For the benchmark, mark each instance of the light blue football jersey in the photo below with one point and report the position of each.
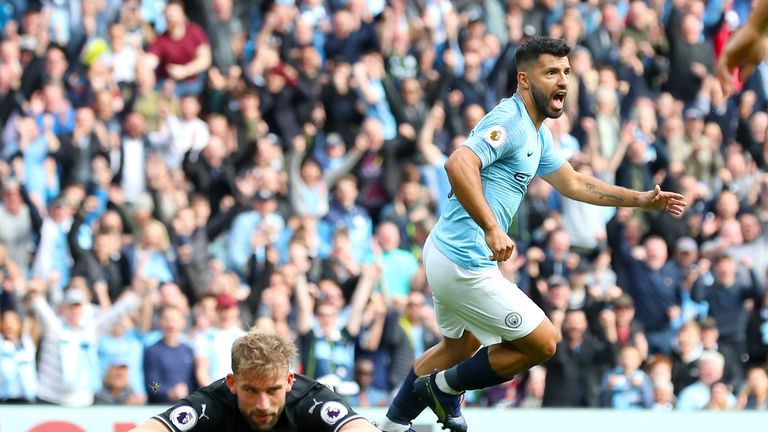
(512, 151)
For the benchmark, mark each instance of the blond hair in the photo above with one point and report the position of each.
(263, 352)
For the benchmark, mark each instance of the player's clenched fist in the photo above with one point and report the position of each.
(501, 245)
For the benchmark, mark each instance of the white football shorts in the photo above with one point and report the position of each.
(482, 302)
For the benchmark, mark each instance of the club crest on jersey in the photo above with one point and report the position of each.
(495, 136)
(332, 412)
(184, 417)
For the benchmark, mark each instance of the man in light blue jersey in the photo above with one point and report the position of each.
(476, 306)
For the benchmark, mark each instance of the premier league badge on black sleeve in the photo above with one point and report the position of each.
(332, 412)
(183, 418)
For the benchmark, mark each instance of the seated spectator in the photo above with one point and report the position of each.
(368, 396)
(663, 396)
(720, 397)
(697, 396)
(533, 390)
(18, 372)
(116, 389)
(124, 344)
(627, 386)
(754, 394)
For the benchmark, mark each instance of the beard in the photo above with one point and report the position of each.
(543, 103)
(259, 425)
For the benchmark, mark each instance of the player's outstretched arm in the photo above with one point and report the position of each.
(150, 425)
(585, 188)
(358, 425)
(745, 47)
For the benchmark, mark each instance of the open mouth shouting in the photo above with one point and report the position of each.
(558, 100)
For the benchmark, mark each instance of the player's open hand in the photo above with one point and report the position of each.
(501, 245)
(656, 199)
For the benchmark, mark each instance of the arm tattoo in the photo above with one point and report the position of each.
(591, 188)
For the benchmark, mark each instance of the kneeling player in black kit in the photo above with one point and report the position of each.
(261, 395)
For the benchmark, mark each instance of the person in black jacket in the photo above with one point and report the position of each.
(103, 262)
(574, 372)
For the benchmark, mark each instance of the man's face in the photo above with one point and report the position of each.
(261, 399)
(548, 80)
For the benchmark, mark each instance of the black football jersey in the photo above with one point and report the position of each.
(309, 406)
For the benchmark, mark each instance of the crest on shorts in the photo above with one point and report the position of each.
(183, 417)
(513, 320)
(496, 136)
(332, 412)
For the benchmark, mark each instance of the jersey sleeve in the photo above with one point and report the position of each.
(197, 413)
(551, 159)
(322, 410)
(491, 141)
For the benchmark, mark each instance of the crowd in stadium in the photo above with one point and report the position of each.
(174, 173)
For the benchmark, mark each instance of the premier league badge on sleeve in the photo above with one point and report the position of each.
(184, 417)
(496, 136)
(332, 412)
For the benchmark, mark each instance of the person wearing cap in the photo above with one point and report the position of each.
(212, 360)
(625, 328)
(556, 296)
(68, 361)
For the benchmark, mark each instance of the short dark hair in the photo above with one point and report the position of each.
(534, 47)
